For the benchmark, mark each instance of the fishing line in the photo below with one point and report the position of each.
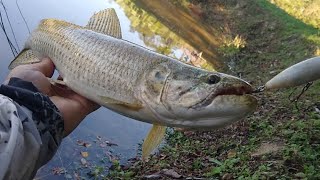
(14, 36)
(13, 49)
(304, 89)
(25, 22)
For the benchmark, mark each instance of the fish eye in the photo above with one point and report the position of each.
(213, 79)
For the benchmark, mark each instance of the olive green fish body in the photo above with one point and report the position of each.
(140, 83)
(134, 81)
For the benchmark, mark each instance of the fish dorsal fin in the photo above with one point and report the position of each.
(106, 22)
(153, 140)
(26, 56)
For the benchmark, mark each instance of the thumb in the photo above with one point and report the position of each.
(45, 66)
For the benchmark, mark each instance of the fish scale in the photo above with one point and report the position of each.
(92, 59)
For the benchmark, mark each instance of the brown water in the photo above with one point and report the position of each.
(138, 26)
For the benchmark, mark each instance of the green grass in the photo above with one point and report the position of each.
(307, 11)
(118, 173)
(293, 25)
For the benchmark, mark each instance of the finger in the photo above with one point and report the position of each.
(88, 106)
(45, 66)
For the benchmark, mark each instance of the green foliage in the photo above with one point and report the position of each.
(97, 171)
(306, 10)
(232, 46)
(222, 167)
(118, 173)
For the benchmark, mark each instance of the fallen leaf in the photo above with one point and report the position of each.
(76, 176)
(267, 148)
(82, 143)
(232, 153)
(103, 145)
(162, 156)
(188, 133)
(194, 178)
(58, 170)
(83, 161)
(111, 157)
(84, 154)
(227, 176)
(171, 173)
(152, 176)
(110, 143)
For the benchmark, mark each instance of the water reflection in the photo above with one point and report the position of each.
(139, 27)
(161, 38)
(188, 24)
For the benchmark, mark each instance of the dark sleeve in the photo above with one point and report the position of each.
(31, 129)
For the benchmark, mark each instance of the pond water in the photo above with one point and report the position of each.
(104, 135)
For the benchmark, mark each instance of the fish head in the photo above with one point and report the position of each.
(189, 97)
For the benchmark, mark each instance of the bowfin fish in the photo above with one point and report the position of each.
(140, 83)
(297, 74)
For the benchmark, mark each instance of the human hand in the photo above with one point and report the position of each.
(72, 106)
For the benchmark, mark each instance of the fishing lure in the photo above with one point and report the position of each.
(298, 74)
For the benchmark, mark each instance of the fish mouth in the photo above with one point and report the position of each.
(239, 91)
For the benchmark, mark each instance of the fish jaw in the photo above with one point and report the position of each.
(223, 110)
(219, 111)
(184, 98)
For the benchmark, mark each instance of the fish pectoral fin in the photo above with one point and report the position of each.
(105, 22)
(135, 106)
(26, 56)
(153, 140)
